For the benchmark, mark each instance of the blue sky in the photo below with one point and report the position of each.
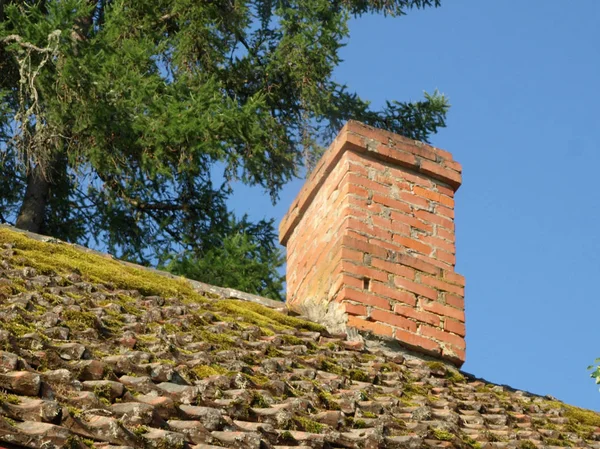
(522, 78)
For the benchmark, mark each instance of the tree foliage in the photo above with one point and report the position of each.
(595, 371)
(240, 260)
(115, 117)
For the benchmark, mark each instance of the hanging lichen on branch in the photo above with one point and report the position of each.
(36, 138)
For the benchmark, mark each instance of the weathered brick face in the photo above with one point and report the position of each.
(373, 228)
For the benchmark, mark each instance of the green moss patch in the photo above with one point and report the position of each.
(358, 375)
(474, 444)
(328, 400)
(203, 371)
(79, 320)
(454, 377)
(263, 316)
(582, 416)
(61, 258)
(442, 435)
(331, 367)
(8, 398)
(258, 400)
(527, 444)
(308, 425)
(18, 326)
(557, 442)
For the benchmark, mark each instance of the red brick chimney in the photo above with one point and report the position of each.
(373, 228)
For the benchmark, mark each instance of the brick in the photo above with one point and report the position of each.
(335, 286)
(414, 200)
(405, 298)
(318, 251)
(455, 301)
(388, 179)
(447, 201)
(357, 202)
(351, 254)
(376, 328)
(361, 271)
(417, 341)
(385, 245)
(417, 178)
(414, 262)
(442, 285)
(367, 161)
(354, 167)
(445, 234)
(419, 149)
(400, 229)
(394, 268)
(435, 242)
(443, 154)
(435, 219)
(381, 222)
(454, 326)
(413, 244)
(412, 221)
(444, 190)
(392, 203)
(393, 320)
(393, 293)
(382, 177)
(358, 212)
(356, 190)
(381, 233)
(410, 312)
(363, 298)
(368, 184)
(397, 156)
(375, 209)
(453, 353)
(453, 278)
(453, 165)
(360, 243)
(434, 196)
(334, 194)
(446, 257)
(431, 260)
(358, 226)
(344, 280)
(365, 131)
(426, 193)
(416, 288)
(440, 309)
(444, 211)
(447, 175)
(440, 335)
(323, 254)
(355, 309)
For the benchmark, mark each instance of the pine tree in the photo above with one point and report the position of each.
(115, 116)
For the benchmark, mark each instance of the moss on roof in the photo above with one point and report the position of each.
(96, 352)
(58, 258)
(55, 258)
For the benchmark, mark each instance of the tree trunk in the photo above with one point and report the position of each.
(33, 208)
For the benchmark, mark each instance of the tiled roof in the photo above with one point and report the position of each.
(96, 353)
